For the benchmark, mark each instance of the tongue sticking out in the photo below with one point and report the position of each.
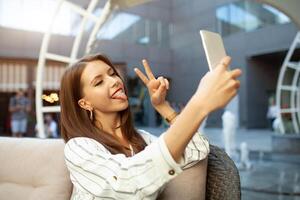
(120, 95)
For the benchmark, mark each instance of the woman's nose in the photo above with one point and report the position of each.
(114, 81)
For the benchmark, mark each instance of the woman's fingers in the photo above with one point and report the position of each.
(148, 70)
(159, 95)
(237, 84)
(162, 81)
(141, 76)
(149, 73)
(159, 84)
(224, 63)
(162, 85)
(167, 83)
(234, 84)
(236, 73)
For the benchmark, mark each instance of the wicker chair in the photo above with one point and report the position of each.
(223, 180)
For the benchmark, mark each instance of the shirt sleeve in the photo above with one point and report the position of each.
(94, 169)
(196, 150)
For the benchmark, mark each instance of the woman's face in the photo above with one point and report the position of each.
(102, 88)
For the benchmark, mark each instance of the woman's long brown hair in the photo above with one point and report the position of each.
(75, 121)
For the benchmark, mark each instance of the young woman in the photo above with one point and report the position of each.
(106, 156)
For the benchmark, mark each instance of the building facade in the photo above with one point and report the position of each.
(166, 33)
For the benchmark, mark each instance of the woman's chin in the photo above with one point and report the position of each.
(124, 105)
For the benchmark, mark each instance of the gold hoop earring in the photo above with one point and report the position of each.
(91, 115)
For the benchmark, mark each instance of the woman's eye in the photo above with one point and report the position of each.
(113, 74)
(98, 83)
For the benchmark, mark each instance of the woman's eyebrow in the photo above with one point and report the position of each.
(100, 75)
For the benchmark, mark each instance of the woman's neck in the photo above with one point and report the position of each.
(108, 122)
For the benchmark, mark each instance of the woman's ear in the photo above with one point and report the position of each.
(84, 104)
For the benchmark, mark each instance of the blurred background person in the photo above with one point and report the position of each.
(50, 126)
(19, 107)
(272, 113)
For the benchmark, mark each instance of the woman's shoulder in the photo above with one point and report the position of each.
(80, 140)
(148, 137)
(84, 143)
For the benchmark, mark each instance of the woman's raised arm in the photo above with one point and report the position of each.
(215, 90)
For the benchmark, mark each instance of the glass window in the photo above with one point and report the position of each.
(118, 26)
(247, 16)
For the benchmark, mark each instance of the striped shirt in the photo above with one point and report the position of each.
(98, 174)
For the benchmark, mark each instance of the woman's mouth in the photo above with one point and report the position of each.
(119, 94)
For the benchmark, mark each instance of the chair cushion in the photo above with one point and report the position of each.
(189, 185)
(33, 169)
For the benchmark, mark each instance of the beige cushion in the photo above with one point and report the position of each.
(33, 169)
(189, 185)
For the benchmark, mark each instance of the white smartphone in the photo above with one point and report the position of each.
(213, 47)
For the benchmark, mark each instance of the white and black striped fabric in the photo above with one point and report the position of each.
(98, 174)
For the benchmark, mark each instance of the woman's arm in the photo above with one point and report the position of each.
(196, 150)
(166, 111)
(184, 127)
(215, 90)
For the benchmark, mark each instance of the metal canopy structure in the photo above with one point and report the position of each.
(288, 7)
(290, 68)
(289, 91)
(45, 54)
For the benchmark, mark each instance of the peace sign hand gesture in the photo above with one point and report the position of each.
(157, 88)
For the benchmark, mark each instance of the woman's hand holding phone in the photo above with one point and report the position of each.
(218, 86)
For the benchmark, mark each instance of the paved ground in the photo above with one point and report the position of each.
(257, 139)
(272, 176)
